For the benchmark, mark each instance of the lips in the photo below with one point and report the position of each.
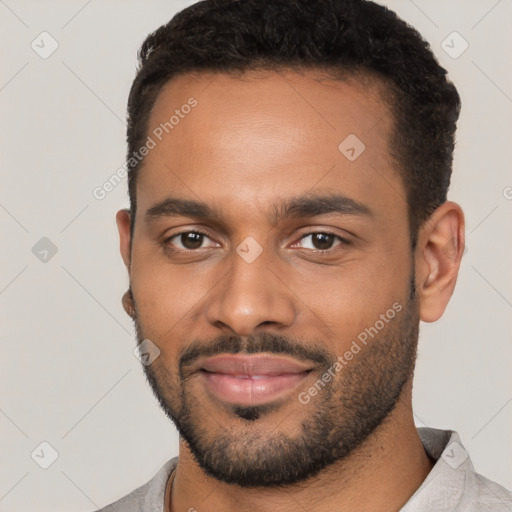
(251, 380)
(252, 365)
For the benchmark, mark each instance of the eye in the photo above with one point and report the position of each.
(187, 240)
(319, 241)
(322, 241)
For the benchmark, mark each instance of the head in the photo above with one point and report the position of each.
(291, 200)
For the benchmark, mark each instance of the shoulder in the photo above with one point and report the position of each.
(488, 495)
(147, 497)
(453, 484)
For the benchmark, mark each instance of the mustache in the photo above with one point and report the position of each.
(264, 342)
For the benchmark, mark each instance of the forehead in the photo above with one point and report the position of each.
(253, 137)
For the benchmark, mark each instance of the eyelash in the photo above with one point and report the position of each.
(343, 241)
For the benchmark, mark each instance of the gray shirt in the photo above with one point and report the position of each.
(451, 486)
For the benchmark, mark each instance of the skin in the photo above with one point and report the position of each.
(252, 142)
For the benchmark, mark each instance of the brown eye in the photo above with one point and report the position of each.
(320, 241)
(188, 241)
(191, 240)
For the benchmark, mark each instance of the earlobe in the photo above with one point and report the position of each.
(123, 220)
(128, 305)
(438, 258)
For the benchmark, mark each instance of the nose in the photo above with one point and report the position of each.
(251, 296)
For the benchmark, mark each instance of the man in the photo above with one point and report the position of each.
(288, 229)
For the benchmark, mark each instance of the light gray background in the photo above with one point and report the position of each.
(68, 374)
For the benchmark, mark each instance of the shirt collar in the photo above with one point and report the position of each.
(444, 488)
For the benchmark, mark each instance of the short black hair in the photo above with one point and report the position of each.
(344, 36)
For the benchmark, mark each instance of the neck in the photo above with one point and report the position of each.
(380, 475)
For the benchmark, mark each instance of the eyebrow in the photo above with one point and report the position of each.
(302, 206)
(312, 206)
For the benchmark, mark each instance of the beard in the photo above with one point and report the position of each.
(332, 425)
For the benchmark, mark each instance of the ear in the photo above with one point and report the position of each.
(123, 219)
(438, 256)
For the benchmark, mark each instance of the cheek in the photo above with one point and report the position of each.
(350, 298)
(167, 296)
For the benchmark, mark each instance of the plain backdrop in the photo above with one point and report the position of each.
(68, 374)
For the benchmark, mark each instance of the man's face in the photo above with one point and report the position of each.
(273, 273)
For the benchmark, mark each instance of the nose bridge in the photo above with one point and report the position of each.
(251, 294)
